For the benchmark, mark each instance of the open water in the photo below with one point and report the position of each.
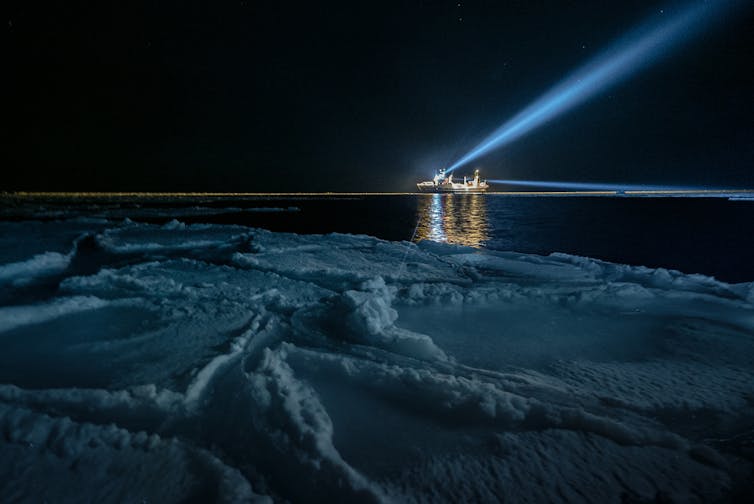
(711, 236)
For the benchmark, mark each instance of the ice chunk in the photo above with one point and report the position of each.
(48, 263)
(12, 317)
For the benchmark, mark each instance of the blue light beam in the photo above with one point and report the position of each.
(596, 186)
(626, 56)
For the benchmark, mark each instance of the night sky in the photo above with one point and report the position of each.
(372, 96)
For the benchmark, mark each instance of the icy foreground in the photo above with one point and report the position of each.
(222, 363)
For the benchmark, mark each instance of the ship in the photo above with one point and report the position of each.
(442, 183)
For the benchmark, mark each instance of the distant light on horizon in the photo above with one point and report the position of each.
(626, 56)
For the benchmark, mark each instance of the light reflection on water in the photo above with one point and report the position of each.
(453, 218)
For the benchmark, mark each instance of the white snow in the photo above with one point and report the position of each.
(48, 263)
(207, 362)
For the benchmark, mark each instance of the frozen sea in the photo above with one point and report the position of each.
(431, 348)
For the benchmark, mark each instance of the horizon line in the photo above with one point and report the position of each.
(157, 194)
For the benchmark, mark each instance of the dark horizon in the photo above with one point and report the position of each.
(504, 190)
(258, 98)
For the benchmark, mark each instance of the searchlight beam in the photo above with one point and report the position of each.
(625, 57)
(584, 186)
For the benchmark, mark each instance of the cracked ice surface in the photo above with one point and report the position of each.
(225, 363)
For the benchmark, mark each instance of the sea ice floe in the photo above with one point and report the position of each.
(174, 362)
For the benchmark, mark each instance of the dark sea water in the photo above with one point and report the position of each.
(712, 236)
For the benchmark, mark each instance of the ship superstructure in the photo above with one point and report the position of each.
(442, 182)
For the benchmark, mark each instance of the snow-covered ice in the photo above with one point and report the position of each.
(223, 363)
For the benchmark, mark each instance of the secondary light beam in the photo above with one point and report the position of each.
(584, 186)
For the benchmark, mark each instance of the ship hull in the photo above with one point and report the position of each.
(454, 190)
(449, 188)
